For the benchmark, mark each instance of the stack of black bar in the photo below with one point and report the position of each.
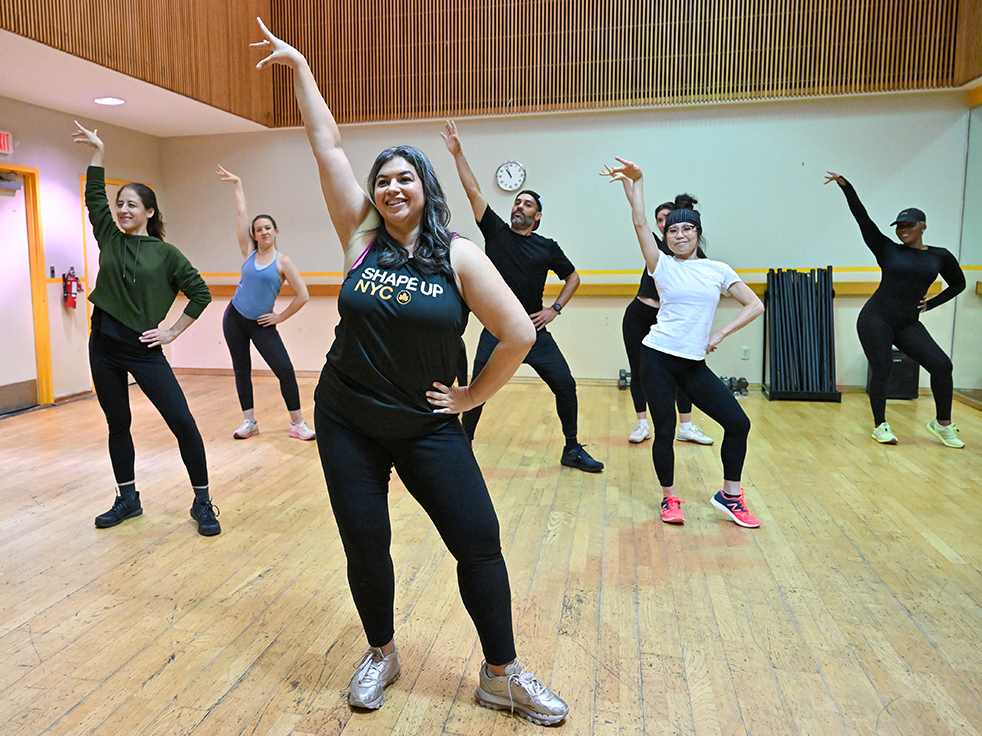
(799, 341)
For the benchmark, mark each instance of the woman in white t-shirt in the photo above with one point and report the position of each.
(674, 353)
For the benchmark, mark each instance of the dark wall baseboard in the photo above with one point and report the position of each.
(17, 396)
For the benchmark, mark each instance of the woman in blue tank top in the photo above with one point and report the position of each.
(386, 399)
(249, 317)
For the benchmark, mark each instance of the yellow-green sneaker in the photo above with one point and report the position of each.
(947, 433)
(884, 435)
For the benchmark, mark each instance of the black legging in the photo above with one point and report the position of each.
(440, 472)
(697, 381)
(878, 333)
(546, 360)
(239, 331)
(637, 322)
(110, 361)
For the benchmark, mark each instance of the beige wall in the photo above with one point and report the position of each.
(756, 168)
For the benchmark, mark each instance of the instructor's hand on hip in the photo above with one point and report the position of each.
(450, 399)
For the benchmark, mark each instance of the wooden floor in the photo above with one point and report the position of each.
(854, 609)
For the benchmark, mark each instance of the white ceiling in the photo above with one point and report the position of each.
(40, 75)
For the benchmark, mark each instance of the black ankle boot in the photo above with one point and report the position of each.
(205, 514)
(126, 507)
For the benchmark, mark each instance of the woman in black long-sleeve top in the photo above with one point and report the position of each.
(892, 315)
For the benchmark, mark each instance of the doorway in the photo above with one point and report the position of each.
(25, 371)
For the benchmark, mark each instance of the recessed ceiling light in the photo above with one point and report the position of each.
(109, 101)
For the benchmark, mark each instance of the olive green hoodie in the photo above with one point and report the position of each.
(139, 275)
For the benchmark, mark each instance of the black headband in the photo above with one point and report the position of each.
(678, 216)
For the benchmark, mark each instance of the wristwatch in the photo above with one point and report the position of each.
(558, 307)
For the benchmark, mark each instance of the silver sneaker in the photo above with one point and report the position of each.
(520, 693)
(693, 434)
(373, 674)
(641, 433)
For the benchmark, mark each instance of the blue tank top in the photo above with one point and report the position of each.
(399, 332)
(258, 288)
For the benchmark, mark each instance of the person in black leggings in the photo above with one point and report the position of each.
(524, 259)
(892, 315)
(674, 354)
(639, 316)
(249, 317)
(139, 277)
(386, 398)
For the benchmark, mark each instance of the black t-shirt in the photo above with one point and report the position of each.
(906, 273)
(523, 261)
(647, 287)
(400, 331)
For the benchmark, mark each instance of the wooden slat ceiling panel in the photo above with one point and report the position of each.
(412, 59)
(968, 62)
(416, 59)
(197, 49)
(427, 59)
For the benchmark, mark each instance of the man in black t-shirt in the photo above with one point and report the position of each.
(524, 259)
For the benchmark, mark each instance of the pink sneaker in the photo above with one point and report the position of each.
(247, 430)
(735, 508)
(301, 431)
(671, 510)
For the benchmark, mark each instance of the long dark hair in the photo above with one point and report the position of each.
(432, 251)
(155, 224)
(682, 202)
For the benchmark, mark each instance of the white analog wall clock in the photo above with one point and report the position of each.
(510, 176)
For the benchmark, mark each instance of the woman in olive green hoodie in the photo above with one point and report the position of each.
(139, 278)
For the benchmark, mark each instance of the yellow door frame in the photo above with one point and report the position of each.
(39, 289)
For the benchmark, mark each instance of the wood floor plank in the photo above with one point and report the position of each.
(856, 608)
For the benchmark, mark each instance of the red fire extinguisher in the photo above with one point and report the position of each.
(72, 286)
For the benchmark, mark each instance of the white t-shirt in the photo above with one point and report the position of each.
(689, 292)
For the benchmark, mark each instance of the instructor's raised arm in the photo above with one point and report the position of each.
(347, 202)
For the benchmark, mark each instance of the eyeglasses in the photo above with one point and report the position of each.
(680, 230)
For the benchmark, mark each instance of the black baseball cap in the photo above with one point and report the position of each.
(911, 214)
(533, 195)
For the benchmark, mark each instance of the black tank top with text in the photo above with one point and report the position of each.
(400, 331)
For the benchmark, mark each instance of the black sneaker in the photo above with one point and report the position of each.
(125, 507)
(577, 457)
(205, 514)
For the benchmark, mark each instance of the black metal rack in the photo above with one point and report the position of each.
(799, 336)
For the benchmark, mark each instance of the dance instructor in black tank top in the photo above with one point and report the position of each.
(892, 315)
(386, 398)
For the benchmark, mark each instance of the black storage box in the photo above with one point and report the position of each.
(903, 377)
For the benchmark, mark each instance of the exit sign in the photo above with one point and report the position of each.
(6, 143)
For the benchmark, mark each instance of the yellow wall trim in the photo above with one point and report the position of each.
(842, 289)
